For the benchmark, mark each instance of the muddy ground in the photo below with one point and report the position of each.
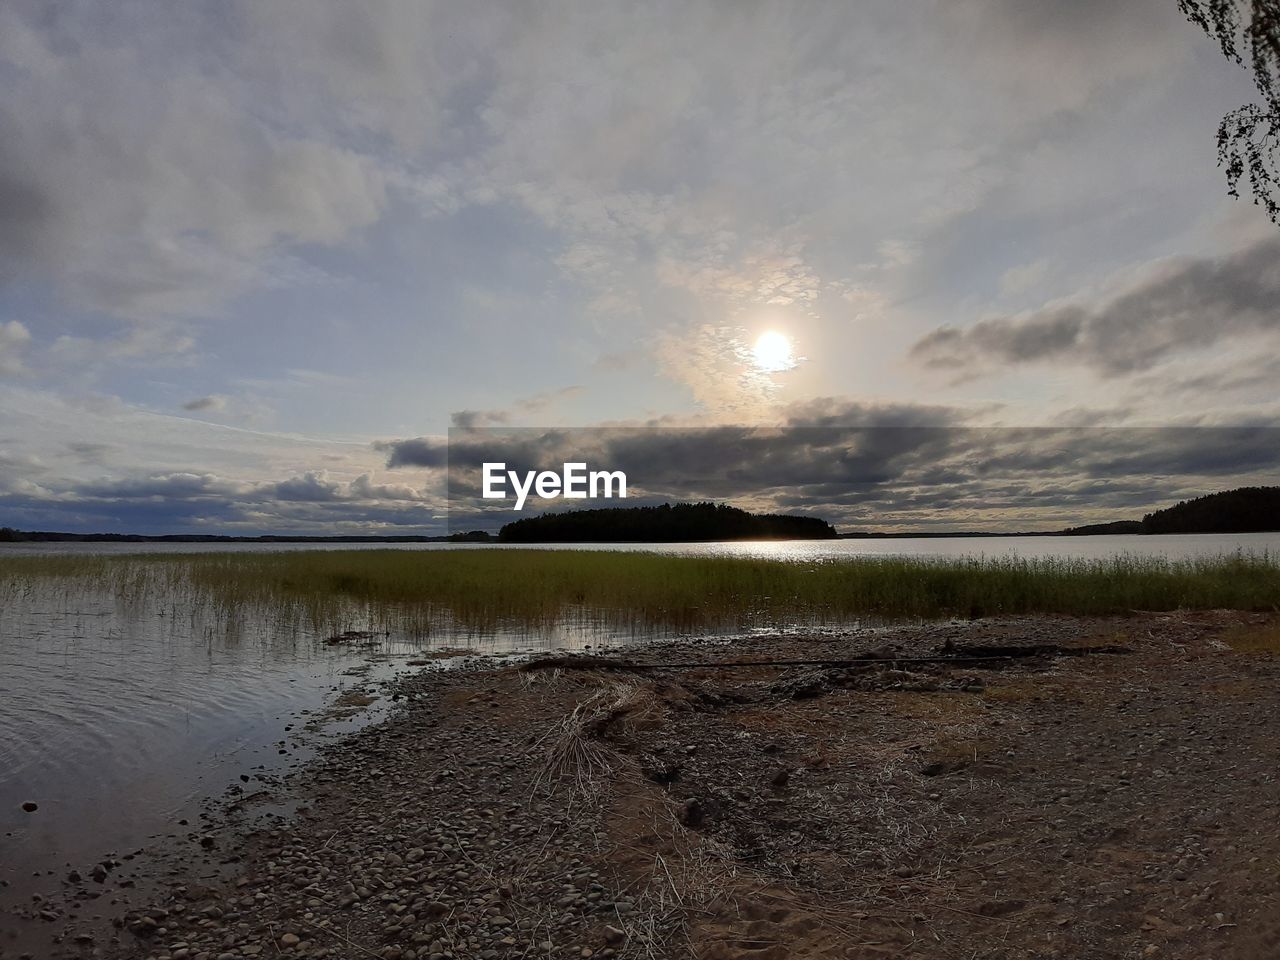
(941, 796)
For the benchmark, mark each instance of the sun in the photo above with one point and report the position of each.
(773, 352)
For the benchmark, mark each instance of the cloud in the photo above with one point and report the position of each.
(35, 510)
(473, 419)
(1056, 57)
(184, 501)
(135, 344)
(206, 403)
(856, 464)
(415, 452)
(714, 362)
(171, 486)
(96, 462)
(1245, 375)
(364, 487)
(540, 402)
(524, 408)
(246, 409)
(159, 163)
(17, 467)
(14, 338)
(1024, 277)
(671, 180)
(1175, 305)
(86, 451)
(883, 465)
(313, 486)
(143, 177)
(499, 195)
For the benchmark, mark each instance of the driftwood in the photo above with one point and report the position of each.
(969, 653)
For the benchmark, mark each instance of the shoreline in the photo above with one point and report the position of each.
(1052, 805)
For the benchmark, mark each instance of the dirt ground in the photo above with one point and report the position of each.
(1107, 805)
(1034, 787)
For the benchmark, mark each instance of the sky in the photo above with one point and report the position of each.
(256, 260)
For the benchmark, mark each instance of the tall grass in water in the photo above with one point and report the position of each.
(438, 591)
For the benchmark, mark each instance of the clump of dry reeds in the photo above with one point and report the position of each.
(575, 752)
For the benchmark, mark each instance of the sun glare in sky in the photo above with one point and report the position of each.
(773, 352)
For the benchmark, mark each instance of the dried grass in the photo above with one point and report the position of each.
(1254, 639)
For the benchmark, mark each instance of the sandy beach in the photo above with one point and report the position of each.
(1041, 786)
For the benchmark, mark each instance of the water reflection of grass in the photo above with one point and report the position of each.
(431, 592)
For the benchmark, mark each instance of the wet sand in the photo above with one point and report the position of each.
(924, 802)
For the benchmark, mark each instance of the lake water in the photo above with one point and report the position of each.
(119, 716)
(1173, 546)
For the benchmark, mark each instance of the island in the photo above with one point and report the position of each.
(667, 523)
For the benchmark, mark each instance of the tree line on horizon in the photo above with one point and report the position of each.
(1243, 510)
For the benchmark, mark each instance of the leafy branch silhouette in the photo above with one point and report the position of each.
(1248, 31)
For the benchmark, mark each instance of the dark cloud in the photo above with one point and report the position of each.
(90, 452)
(172, 486)
(1258, 373)
(885, 475)
(855, 475)
(524, 408)
(25, 211)
(416, 452)
(1180, 304)
(841, 412)
(310, 487)
(205, 403)
(213, 515)
(472, 419)
(829, 449)
(207, 503)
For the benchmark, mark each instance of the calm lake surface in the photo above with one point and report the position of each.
(120, 716)
(1172, 545)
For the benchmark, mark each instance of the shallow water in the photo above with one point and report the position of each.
(120, 717)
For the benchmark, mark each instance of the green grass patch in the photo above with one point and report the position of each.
(428, 591)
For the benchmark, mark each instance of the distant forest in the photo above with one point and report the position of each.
(1246, 510)
(683, 522)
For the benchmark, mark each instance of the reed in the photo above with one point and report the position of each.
(426, 592)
